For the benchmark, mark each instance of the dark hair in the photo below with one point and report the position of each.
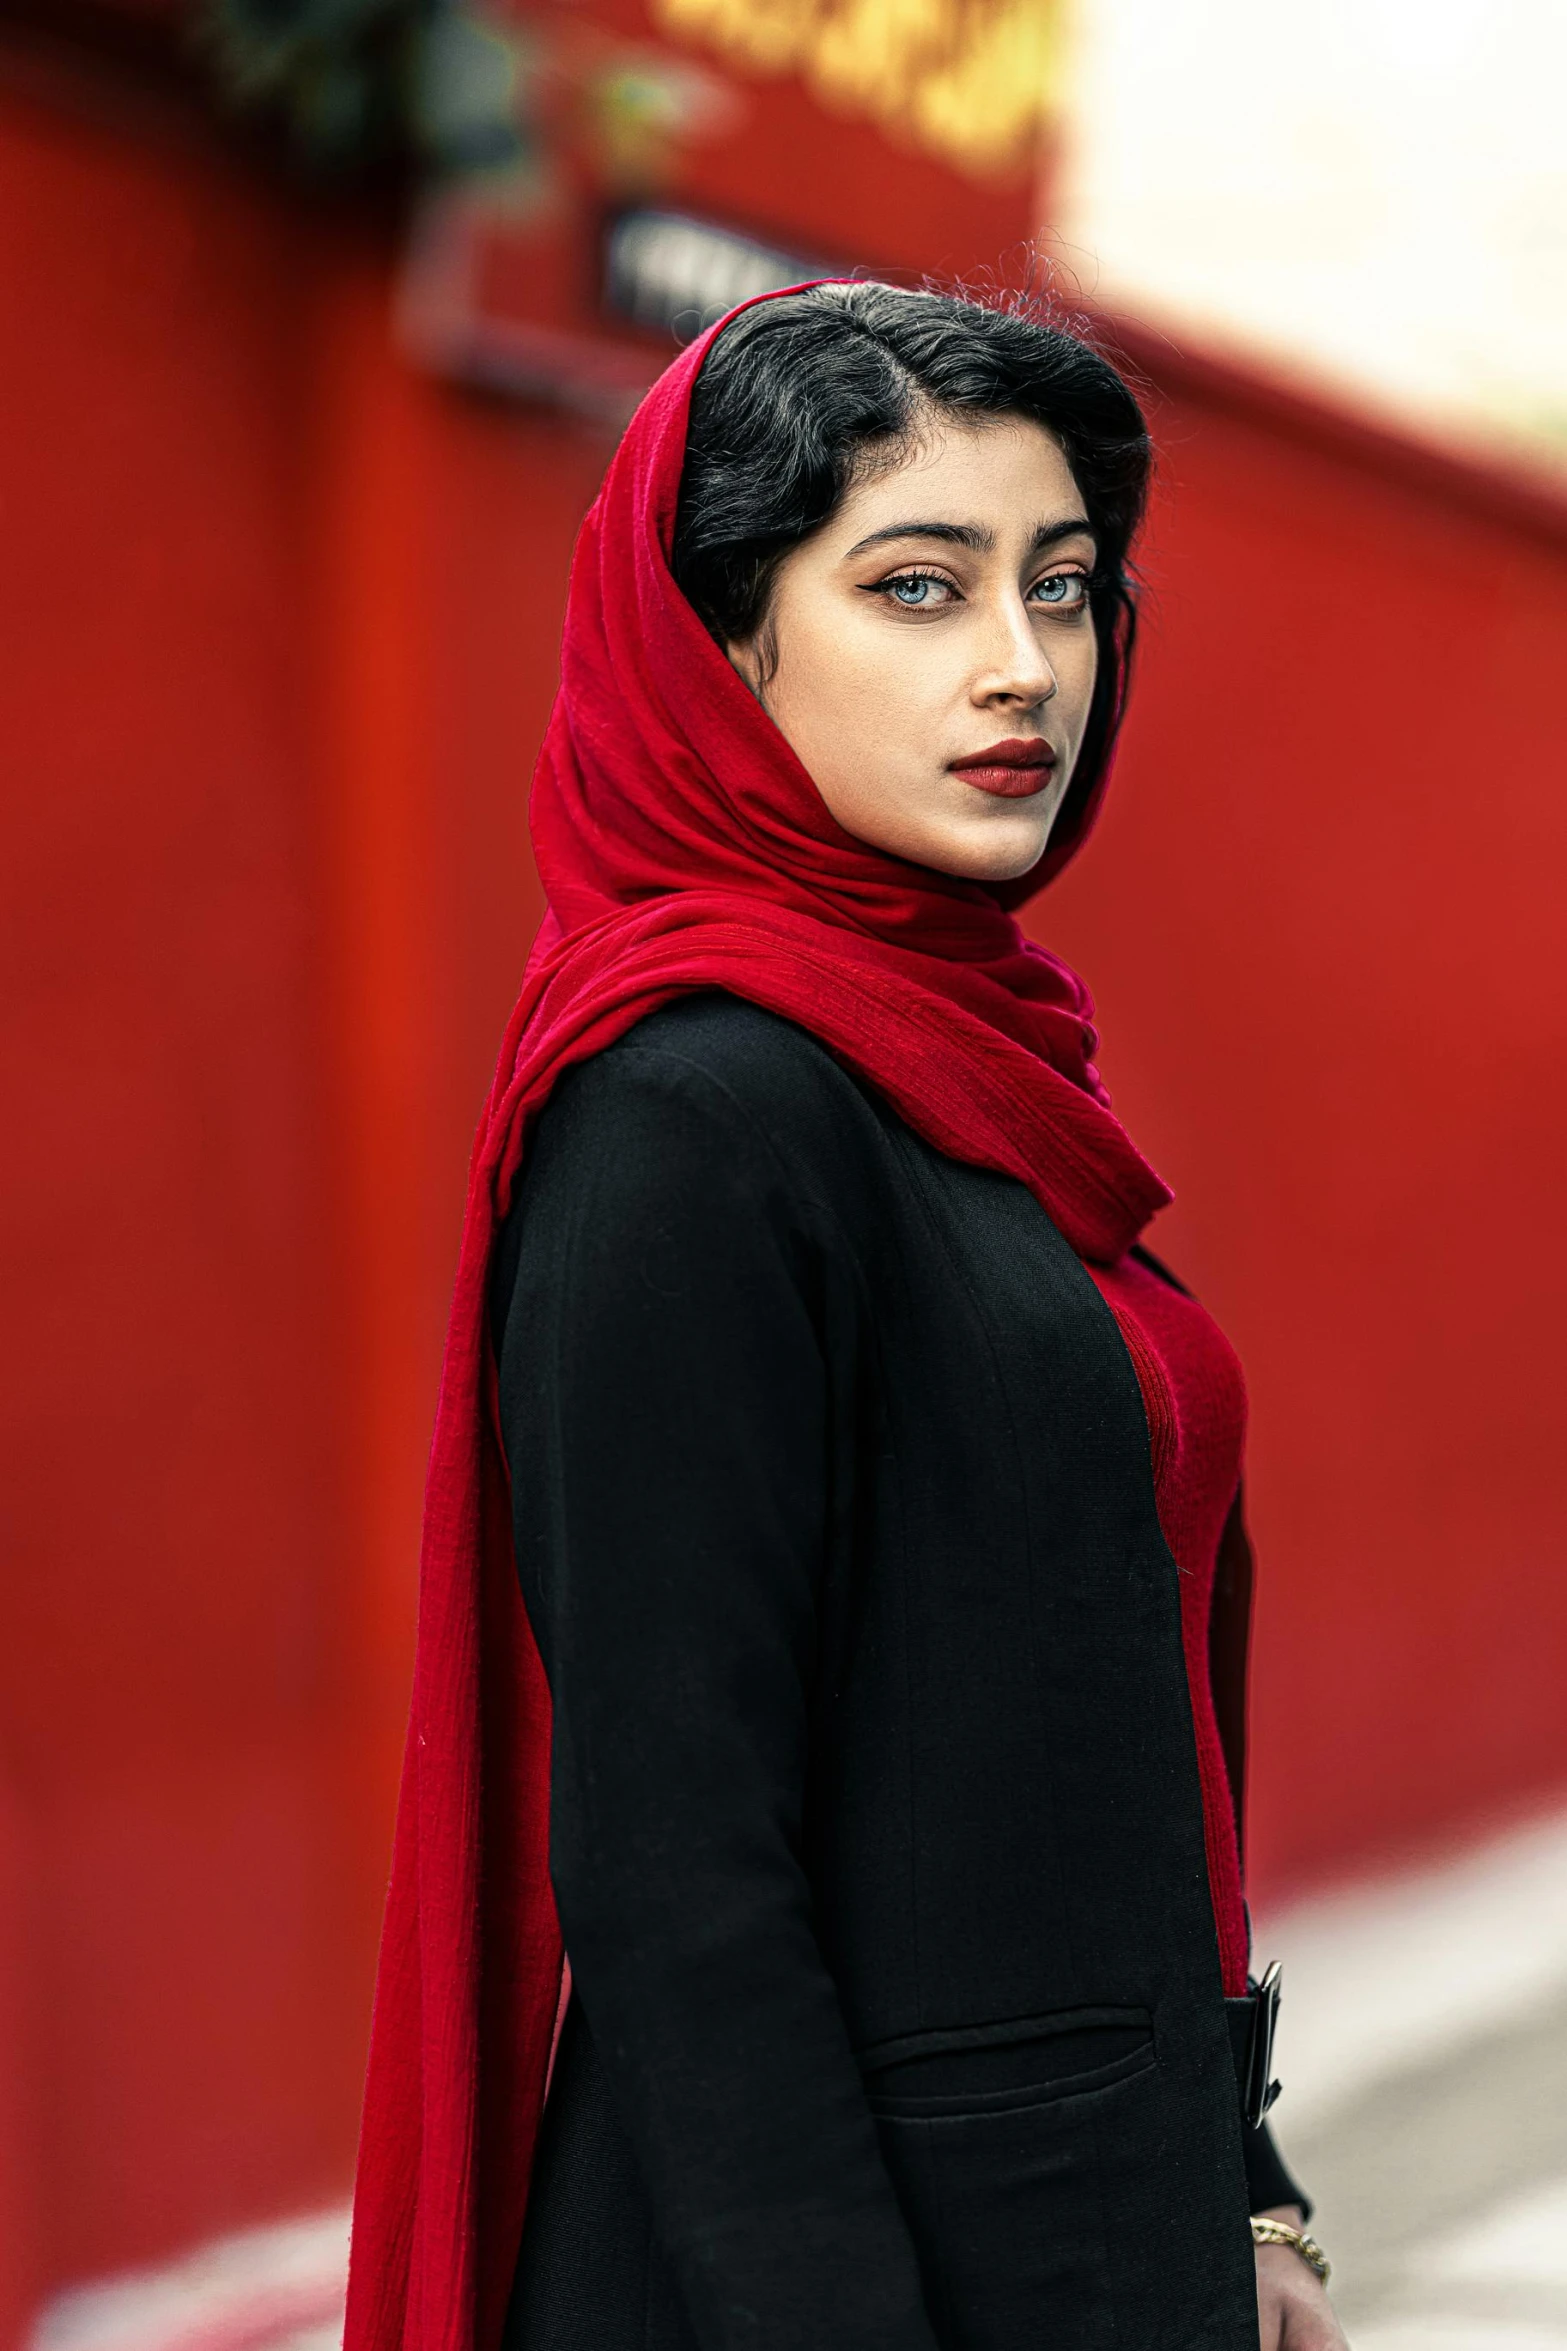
(799, 393)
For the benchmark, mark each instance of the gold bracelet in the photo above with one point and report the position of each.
(1278, 2232)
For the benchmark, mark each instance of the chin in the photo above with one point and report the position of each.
(987, 858)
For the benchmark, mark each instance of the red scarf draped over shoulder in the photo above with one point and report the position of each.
(682, 846)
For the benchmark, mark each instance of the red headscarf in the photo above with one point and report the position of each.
(682, 846)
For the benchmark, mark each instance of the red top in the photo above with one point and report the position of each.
(1194, 1394)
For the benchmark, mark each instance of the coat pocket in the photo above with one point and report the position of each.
(1013, 2148)
(998, 2068)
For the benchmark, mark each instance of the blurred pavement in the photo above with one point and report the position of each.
(1423, 2049)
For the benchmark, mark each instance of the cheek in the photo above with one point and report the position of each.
(852, 700)
(1077, 672)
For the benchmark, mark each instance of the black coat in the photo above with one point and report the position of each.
(876, 1829)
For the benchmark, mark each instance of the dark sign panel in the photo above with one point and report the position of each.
(667, 270)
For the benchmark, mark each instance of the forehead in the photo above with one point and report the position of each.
(994, 470)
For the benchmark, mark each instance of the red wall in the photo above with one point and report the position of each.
(1324, 920)
(172, 1513)
(278, 642)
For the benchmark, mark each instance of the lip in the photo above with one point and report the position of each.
(1012, 770)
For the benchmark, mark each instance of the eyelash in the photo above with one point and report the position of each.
(884, 588)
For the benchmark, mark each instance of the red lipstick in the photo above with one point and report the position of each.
(1012, 770)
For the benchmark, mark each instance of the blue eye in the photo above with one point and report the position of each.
(1061, 591)
(913, 588)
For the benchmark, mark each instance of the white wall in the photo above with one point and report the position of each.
(1373, 189)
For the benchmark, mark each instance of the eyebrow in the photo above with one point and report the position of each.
(973, 535)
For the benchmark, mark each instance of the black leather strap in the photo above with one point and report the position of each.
(1269, 2183)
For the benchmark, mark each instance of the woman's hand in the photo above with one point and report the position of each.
(1293, 2310)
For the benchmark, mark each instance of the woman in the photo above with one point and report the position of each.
(869, 1490)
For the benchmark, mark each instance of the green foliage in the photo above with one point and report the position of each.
(360, 84)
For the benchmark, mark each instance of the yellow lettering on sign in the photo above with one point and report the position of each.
(972, 81)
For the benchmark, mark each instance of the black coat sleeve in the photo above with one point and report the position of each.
(665, 1409)
(1269, 2182)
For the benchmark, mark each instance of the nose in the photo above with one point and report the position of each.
(1014, 670)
